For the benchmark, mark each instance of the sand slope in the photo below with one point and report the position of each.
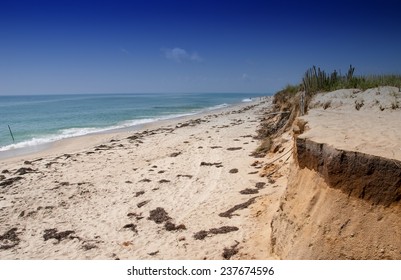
(344, 188)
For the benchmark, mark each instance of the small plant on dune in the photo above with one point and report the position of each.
(263, 148)
(326, 105)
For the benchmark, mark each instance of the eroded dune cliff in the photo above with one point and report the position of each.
(344, 187)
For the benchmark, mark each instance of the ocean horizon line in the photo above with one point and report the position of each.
(127, 93)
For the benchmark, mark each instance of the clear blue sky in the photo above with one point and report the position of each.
(56, 47)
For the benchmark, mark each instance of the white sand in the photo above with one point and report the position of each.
(95, 193)
(373, 129)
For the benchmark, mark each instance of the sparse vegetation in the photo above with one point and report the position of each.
(288, 106)
(263, 148)
(317, 80)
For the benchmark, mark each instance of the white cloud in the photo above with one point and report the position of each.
(245, 77)
(180, 55)
(125, 51)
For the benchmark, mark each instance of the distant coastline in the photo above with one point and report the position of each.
(145, 109)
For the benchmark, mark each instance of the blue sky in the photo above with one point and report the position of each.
(58, 47)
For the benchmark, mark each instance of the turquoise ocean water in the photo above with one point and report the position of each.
(41, 119)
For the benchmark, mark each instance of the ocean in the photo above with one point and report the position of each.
(42, 119)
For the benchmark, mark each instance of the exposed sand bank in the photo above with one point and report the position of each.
(344, 188)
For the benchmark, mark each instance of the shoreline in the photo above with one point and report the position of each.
(70, 144)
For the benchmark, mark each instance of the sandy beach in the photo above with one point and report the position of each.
(178, 189)
(327, 186)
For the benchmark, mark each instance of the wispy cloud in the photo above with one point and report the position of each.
(125, 51)
(180, 55)
(245, 77)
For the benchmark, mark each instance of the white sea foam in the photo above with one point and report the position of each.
(247, 100)
(71, 132)
(76, 132)
(220, 106)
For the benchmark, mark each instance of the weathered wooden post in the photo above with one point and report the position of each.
(11, 133)
(302, 103)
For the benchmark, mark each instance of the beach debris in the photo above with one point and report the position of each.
(158, 215)
(164, 181)
(139, 193)
(137, 216)
(10, 181)
(179, 125)
(9, 239)
(5, 171)
(253, 172)
(221, 230)
(67, 156)
(229, 252)
(229, 212)
(91, 244)
(145, 180)
(260, 185)
(217, 164)
(233, 171)
(63, 184)
(54, 234)
(134, 137)
(169, 226)
(249, 191)
(127, 243)
(187, 176)
(143, 203)
(24, 170)
(153, 253)
(175, 154)
(49, 164)
(115, 257)
(88, 246)
(234, 148)
(30, 162)
(216, 147)
(2, 177)
(200, 235)
(131, 227)
(102, 148)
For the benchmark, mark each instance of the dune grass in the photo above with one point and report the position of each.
(317, 80)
